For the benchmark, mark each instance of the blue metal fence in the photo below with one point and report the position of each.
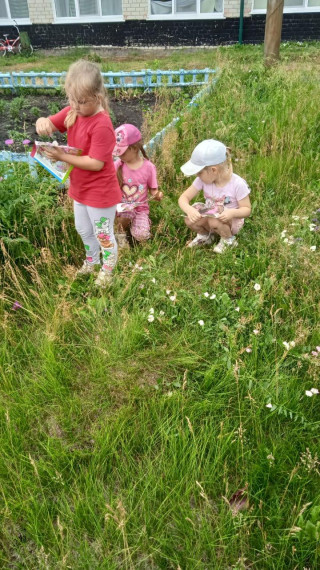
(145, 79)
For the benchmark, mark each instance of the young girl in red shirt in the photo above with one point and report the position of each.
(93, 181)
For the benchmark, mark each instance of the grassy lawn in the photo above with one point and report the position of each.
(124, 441)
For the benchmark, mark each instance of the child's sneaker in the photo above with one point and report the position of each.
(122, 241)
(104, 277)
(224, 243)
(200, 239)
(86, 268)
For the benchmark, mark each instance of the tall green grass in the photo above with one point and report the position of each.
(123, 441)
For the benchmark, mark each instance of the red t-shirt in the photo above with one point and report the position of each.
(95, 136)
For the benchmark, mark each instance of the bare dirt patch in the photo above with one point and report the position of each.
(18, 115)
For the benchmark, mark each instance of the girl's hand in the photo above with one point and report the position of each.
(44, 127)
(193, 214)
(156, 195)
(226, 216)
(53, 153)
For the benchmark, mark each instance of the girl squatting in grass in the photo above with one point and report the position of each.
(226, 196)
(137, 176)
(94, 185)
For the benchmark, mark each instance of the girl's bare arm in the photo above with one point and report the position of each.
(184, 203)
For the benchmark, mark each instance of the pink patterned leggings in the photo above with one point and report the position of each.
(140, 224)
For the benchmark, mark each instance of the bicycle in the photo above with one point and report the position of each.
(14, 46)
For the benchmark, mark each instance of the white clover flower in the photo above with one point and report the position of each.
(213, 296)
(237, 309)
(286, 345)
(168, 291)
(151, 318)
(269, 405)
(201, 323)
(313, 248)
(314, 390)
(206, 294)
(312, 227)
(255, 331)
(153, 280)
(151, 311)
(285, 240)
(173, 297)
(257, 287)
(283, 234)
(292, 343)
(248, 349)
(309, 393)
(161, 313)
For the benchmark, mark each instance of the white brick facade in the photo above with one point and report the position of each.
(42, 11)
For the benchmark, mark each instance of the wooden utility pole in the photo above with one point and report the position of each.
(272, 35)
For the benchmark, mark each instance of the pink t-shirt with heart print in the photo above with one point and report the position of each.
(136, 183)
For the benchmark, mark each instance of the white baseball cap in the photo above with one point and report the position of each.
(207, 153)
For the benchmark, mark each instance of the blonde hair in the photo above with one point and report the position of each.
(138, 146)
(84, 80)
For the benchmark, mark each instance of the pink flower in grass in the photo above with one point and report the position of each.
(26, 141)
(8, 142)
(16, 306)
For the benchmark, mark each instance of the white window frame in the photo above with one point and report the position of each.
(187, 15)
(8, 21)
(86, 19)
(287, 10)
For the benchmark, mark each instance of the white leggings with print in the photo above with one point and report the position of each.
(95, 227)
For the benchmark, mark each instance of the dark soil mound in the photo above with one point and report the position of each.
(18, 115)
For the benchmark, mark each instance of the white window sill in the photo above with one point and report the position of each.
(214, 16)
(20, 22)
(296, 10)
(88, 20)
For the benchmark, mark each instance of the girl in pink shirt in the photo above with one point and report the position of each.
(226, 195)
(137, 178)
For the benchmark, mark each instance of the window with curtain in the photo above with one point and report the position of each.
(83, 8)
(14, 9)
(262, 4)
(158, 7)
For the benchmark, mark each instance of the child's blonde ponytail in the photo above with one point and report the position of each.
(84, 80)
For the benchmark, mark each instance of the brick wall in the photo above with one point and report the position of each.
(135, 9)
(169, 33)
(41, 11)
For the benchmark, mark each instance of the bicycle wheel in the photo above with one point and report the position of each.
(3, 50)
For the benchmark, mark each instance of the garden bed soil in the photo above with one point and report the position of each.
(18, 115)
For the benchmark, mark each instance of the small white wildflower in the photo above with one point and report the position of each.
(151, 311)
(213, 296)
(309, 393)
(318, 348)
(255, 331)
(283, 234)
(257, 287)
(206, 294)
(153, 280)
(270, 459)
(313, 248)
(168, 291)
(141, 286)
(173, 297)
(314, 390)
(285, 240)
(237, 309)
(248, 349)
(161, 313)
(295, 217)
(151, 318)
(286, 345)
(292, 343)
(269, 405)
(312, 227)
(201, 323)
